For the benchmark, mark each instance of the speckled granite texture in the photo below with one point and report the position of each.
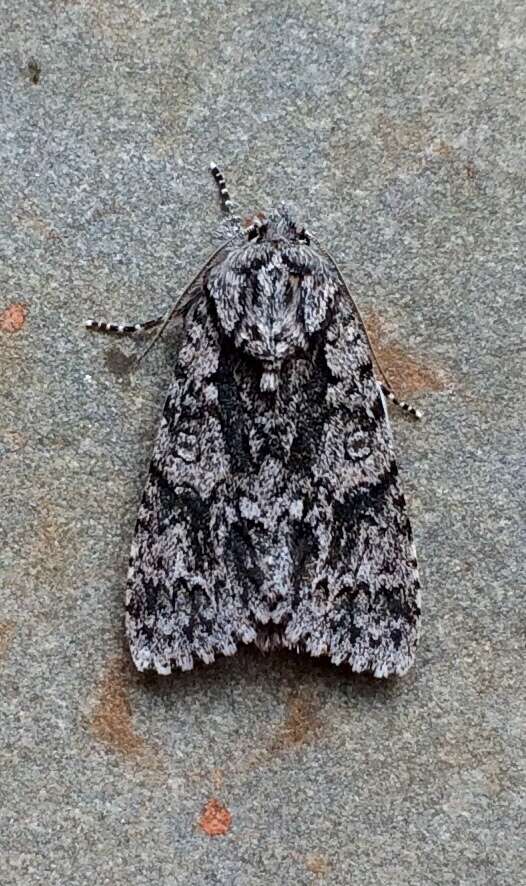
(396, 129)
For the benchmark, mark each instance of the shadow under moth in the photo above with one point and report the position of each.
(272, 512)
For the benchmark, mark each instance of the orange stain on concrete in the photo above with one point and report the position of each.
(111, 721)
(406, 374)
(301, 724)
(317, 865)
(13, 317)
(443, 150)
(215, 819)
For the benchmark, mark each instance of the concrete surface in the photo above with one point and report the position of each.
(396, 129)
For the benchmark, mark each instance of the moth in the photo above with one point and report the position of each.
(273, 511)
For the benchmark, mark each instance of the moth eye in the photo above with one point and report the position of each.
(303, 236)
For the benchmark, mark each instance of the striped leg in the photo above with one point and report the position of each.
(405, 406)
(226, 202)
(122, 328)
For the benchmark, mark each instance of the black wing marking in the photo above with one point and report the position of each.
(274, 517)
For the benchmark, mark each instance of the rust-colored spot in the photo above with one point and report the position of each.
(406, 374)
(443, 150)
(111, 721)
(13, 317)
(6, 630)
(301, 724)
(317, 865)
(215, 819)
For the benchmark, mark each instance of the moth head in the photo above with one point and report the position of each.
(277, 226)
(272, 291)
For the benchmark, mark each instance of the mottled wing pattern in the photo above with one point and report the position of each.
(181, 603)
(357, 595)
(274, 517)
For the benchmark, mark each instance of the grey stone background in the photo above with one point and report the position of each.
(396, 130)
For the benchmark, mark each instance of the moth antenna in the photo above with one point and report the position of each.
(389, 393)
(122, 328)
(226, 201)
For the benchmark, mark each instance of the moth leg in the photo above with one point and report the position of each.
(226, 202)
(122, 328)
(386, 390)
